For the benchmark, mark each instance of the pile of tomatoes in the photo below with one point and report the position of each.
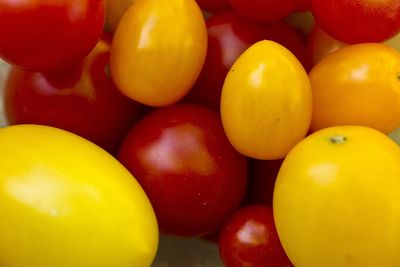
(229, 120)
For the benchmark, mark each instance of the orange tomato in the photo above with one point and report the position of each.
(357, 85)
(158, 50)
(266, 102)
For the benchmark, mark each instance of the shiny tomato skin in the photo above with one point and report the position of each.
(183, 160)
(263, 10)
(249, 238)
(44, 35)
(229, 35)
(358, 21)
(82, 100)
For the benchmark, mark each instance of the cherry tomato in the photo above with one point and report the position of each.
(357, 85)
(192, 175)
(229, 35)
(158, 50)
(264, 10)
(213, 5)
(266, 102)
(114, 12)
(337, 199)
(302, 5)
(45, 35)
(249, 239)
(67, 203)
(358, 21)
(83, 100)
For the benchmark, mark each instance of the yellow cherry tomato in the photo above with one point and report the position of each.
(337, 199)
(158, 50)
(64, 202)
(115, 9)
(357, 85)
(266, 102)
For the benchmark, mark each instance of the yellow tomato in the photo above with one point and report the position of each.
(337, 199)
(64, 202)
(115, 9)
(357, 85)
(266, 102)
(158, 50)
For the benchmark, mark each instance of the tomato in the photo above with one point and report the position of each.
(263, 10)
(249, 239)
(302, 5)
(229, 35)
(183, 160)
(213, 5)
(337, 199)
(266, 102)
(358, 21)
(158, 50)
(303, 21)
(67, 203)
(114, 12)
(358, 84)
(262, 179)
(83, 100)
(45, 35)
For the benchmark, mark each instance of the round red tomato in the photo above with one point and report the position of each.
(45, 35)
(358, 21)
(249, 238)
(264, 10)
(82, 100)
(191, 173)
(229, 35)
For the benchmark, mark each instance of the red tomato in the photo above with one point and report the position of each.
(358, 21)
(262, 178)
(213, 5)
(47, 35)
(302, 5)
(82, 100)
(183, 160)
(264, 10)
(229, 35)
(249, 239)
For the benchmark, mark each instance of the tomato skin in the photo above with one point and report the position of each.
(82, 100)
(147, 39)
(357, 85)
(262, 83)
(114, 12)
(229, 35)
(45, 35)
(358, 21)
(337, 199)
(263, 10)
(302, 5)
(183, 160)
(249, 238)
(67, 203)
(213, 5)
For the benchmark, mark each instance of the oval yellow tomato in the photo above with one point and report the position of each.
(158, 50)
(357, 85)
(337, 199)
(64, 202)
(115, 9)
(266, 102)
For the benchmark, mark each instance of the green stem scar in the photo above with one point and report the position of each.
(338, 139)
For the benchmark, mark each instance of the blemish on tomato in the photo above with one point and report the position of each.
(338, 139)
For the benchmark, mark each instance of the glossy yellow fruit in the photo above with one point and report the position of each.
(64, 202)
(337, 199)
(115, 9)
(357, 85)
(266, 102)
(158, 50)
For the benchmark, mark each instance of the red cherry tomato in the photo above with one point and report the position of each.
(302, 5)
(358, 21)
(190, 172)
(264, 10)
(229, 35)
(82, 100)
(249, 238)
(213, 5)
(45, 35)
(262, 179)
